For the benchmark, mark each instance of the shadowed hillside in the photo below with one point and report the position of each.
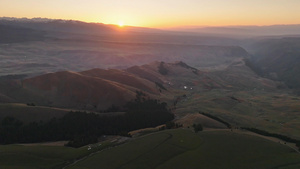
(70, 89)
(122, 77)
(279, 59)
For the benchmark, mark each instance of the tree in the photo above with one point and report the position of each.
(298, 145)
(197, 127)
(161, 69)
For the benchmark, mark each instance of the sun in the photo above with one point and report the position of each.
(121, 23)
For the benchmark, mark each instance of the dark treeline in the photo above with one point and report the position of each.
(160, 86)
(84, 128)
(197, 127)
(282, 137)
(162, 70)
(170, 125)
(216, 118)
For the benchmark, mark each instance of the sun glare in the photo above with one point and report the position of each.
(121, 23)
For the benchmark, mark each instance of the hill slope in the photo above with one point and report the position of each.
(233, 93)
(280, 59)
(121, 77)
(184, 149)
(70, 89)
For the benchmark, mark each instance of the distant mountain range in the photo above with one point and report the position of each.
(71, 26)
(245, 31)
(44, 24)
(96, 28)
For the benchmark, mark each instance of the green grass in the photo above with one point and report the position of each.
(182, 148)
(37, 156)
(273, 112)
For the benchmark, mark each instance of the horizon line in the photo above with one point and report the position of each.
(161, 27)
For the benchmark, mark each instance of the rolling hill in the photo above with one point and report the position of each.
(122, 77)
(232, 92)
(98, 89)
(70, 89)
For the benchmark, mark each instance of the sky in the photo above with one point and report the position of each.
(159, 13)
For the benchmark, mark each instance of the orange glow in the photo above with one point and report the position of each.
(160, 14)
(121, 23)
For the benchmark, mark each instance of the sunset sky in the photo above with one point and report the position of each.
(159, 13)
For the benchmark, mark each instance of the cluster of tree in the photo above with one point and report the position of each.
(216, 118)
(13, 77)
(197, 127)
(112, 108)
(161, 69)
(236, 99)
(30, 104)
(298, 144)
(282, 137)
(160, 86)
(182, 64)
(170, 125)
(83, 128)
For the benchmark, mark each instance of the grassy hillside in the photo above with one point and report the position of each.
(234, 93)
(74, 90)
(42, 156)
(184, 149)
(274, 112)
(122, 77)
(30, 113)
(170, 149)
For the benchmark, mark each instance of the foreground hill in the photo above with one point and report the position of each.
(169, 149)
(185, 149)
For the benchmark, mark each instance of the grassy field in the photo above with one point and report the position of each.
(181, 148)
(41, 156)
(273, 112)
(169, 149)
